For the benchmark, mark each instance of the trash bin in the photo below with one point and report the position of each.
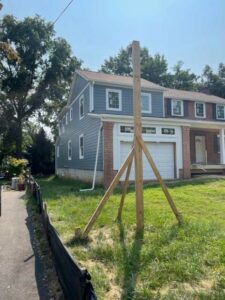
(15, 181)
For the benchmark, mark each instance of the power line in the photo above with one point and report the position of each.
(62, 12)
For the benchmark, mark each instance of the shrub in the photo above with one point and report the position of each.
(14, 166)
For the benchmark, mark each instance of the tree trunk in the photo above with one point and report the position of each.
(19, 138)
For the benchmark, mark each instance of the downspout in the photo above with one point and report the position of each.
(96, 162)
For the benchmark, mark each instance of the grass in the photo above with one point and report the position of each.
(166, 261)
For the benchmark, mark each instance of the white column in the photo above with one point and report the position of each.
(222, 150)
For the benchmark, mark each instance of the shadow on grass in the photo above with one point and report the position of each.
(131, 263)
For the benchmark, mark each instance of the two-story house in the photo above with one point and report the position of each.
(183, 130)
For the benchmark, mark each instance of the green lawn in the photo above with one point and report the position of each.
(168, 261)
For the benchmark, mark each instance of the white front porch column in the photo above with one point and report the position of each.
(222, 150)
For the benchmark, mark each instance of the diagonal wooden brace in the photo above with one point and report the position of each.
(125, 187)
(160, 180)
(107, 194)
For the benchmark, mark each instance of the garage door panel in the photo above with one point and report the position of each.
(162, 154)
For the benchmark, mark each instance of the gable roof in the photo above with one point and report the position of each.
(122, 80)
(193, 96)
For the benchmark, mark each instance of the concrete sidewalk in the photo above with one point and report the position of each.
(21, 275)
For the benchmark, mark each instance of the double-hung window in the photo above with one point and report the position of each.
(113, 99)
(146, 103)
(199, 110)
(71, 114)
(69, 150)
(220, 112)
(81, 146)
(57, 151)
(81, 107)
(177, 108)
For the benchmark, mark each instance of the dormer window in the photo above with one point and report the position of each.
(199, 110)
(220, 112)
(81, 107)
(177, 108)
(113, 99)
(146, 103)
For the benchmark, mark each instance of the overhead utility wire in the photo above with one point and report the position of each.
(62, 12)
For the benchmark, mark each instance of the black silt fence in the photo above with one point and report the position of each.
(75, 282)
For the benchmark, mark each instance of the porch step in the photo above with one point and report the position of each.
(207, 169)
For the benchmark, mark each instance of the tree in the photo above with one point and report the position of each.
(214, 83)
(40, 81)
(153, 68)
(182, 79)
(41, 154)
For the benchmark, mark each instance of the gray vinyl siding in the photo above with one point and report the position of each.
(89, 127)
(127, 102)
(78, 86)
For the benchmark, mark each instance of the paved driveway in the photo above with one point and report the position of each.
(21, 274)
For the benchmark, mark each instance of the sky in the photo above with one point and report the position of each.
(192, 30)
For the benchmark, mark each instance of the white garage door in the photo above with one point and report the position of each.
(162, 154)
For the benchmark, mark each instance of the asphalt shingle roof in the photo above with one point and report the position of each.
(117, 80)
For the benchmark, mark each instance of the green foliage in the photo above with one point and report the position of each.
(168, 261)
(153, 68)
(40, 81)
(14, 166)
(41, 154)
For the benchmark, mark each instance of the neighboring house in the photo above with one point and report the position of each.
(183, 130)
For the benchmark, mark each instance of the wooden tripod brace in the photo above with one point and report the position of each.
(136, 154)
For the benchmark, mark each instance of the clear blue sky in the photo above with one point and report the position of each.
(190, 30)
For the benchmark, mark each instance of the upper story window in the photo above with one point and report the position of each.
(199, 110)
(71, 114)
(57, 151)
(69, 150)
(220, 112)
(67, 118)
(177, 107)
(113, 99)
(146, 102)
(81, 146)
(63, 125)
(81, 107)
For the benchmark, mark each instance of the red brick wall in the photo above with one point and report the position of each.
(186, 152)
(213, 156)
(108, 152)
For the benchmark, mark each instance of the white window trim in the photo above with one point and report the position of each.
(217, 113)
(71, 113)
(149, 101)
(81, 98)
(107, 99)
(182, 108)
(204, 115)
(57, 152)
(81, 156)
(69, 143)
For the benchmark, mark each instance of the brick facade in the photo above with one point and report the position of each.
(186, 172)
(213, 156)
(108, 153)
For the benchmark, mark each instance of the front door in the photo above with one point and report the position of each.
(200, 149)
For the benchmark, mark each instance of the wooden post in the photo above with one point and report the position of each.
(160, 180)
(137, 134)
(107, 195)
(125, 186)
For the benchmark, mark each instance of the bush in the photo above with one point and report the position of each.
(14, 166)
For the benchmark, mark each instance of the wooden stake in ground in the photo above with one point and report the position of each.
(137, 135)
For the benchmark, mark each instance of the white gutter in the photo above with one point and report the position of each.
(156, 120)
(96, 163)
